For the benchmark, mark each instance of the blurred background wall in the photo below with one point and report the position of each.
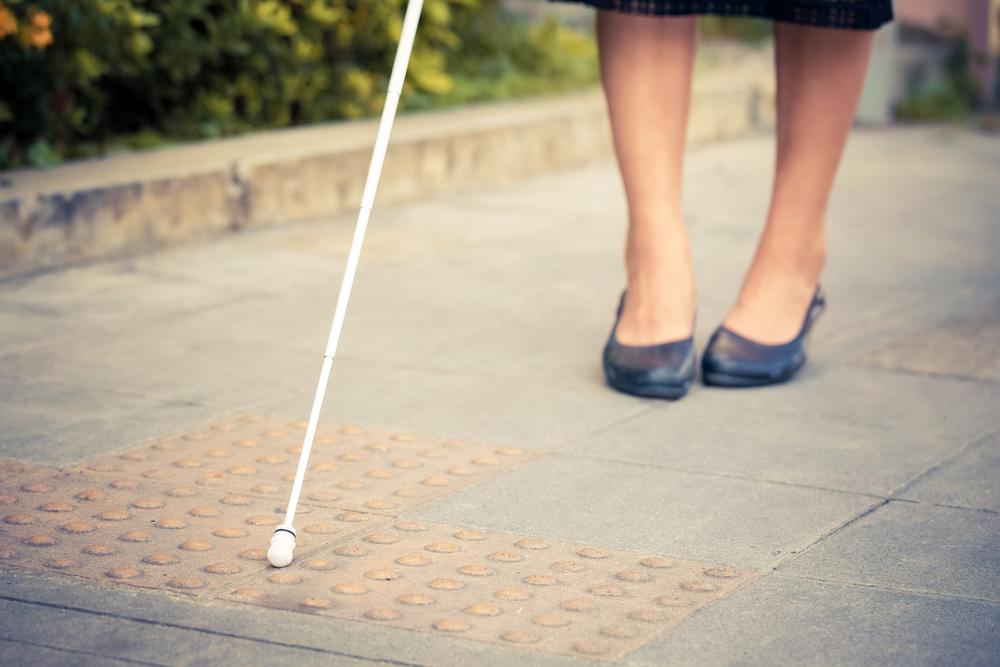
(939, 57)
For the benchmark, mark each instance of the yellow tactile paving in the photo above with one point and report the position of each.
(542, 595)
(350, 468)
(194, 514)
(182, 538)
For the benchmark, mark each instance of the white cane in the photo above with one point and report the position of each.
(283, 540)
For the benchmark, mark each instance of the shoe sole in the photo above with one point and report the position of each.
(726, 380)
(651, 392)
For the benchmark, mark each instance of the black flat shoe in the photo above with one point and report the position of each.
(730, 360)
(661, 371)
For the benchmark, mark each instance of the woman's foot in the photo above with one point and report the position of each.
(658, 308)
(773, 301)
(762, 340)
(731, 360)
(662, 370)
(650, 351)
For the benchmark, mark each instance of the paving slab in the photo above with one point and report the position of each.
(892, 248)
(160, 361)
(913, 547)
(911, 405)
(802, 449)
(116, 292)
(967, 347)
(683, 514)
(15, 652)
(326, 640)
(506, 411)
(913, 326)
(61, 423)
(787, 620)
(968, 480)
(911, 241)
(88, 636)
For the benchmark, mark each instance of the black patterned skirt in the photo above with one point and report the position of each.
(845, 14)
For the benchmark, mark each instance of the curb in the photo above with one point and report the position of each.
(129, 204)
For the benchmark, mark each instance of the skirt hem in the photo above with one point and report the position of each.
(843, 14)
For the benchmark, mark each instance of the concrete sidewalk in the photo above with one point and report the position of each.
(863, 493)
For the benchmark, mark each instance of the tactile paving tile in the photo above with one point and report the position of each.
(350, 468)
(537, 594)
(16, 473)
(188, 539)
(194, 514)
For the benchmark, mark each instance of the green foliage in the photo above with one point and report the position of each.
(941, 104)
(959, 95)
(139, 73)
(189, 69)
(747, 30)
(41, 154)
(504, 57)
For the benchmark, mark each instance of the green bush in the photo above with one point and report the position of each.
(742, 29)
(187, 69)
(957, 97)
(137, 73)
(504, 57)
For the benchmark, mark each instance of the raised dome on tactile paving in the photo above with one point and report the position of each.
(195, 511)
(536, 594)
(193, 514)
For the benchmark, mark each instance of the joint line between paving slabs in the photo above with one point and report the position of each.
(71, 651)
(726, 475)
(450, 372)
(951, 507)
(604, 429)
(188, 628)
(928, 375)
(109, 390)
(911, 501)
(743, 584)
(945, 460)
(811, 544)
(895, 589)
(209, 307)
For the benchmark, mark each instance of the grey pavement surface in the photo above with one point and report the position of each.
(865, 490)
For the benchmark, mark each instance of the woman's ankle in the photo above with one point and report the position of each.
(658, 309)
(772, 305)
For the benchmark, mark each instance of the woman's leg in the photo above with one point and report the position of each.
(646, 65)
(820, 74)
